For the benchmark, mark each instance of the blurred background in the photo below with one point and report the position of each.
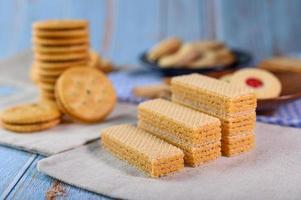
(263, 27)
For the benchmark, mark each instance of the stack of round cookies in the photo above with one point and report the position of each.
(57, 46)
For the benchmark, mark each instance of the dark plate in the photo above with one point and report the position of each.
(242, 58)
(291, 91)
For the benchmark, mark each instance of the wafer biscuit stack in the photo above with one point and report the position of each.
(142, 150)
(197, 134)
(57, 46)
(233, 105)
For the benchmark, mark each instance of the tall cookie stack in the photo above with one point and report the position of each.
(57, 46)
(233, 105)
(196, 133)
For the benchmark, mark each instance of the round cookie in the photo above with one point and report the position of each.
(60, 24)
(60, 42)
(61, 49)
(94, 59)
(43, 111)
(85, 94)
(27, 128)
(62, 56)
(61, 33)
(165, 47)
(60, 65)
(265, 84)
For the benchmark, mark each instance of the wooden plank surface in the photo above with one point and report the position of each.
(35, 185)
(13, 165)
(121, 30)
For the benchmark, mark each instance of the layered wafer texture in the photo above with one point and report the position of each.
(234, 105)
(143, 150)
(197, 134)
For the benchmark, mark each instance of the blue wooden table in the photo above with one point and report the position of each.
(121, 30)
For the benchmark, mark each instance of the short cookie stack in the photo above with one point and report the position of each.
(57, 46)
(233, 105)
(197, 134)
(31, 117)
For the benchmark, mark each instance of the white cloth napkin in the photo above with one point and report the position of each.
(271, 171)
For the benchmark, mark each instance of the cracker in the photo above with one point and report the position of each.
(60, 65)
(43, 111)
(60, 42)
(62, 56)
(142, 150)
(94, 59)
(27, 128)
(61, 49)
(60, 24)
(86, 94)
(61, 33)
(165, 47)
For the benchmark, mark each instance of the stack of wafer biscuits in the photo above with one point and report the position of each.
(233, 105)
(196, 133)
(142, 150)
(57, 46)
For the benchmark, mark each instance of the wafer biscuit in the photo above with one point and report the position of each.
(194, 154)
(240, 147)
(186, 124)
(204, 93)
(142, 150)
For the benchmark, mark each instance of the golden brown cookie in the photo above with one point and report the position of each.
(61, 56)
(165, 47)
(85, 94)
(61, 33)
(60, 65)
(265, 84)
(60, 24)
(282, 64)
(208, 45)
(27, 128)
(61, 49)
(60, 42)
(106, 66)
(94, 59)
(43, 111)
(186, 54)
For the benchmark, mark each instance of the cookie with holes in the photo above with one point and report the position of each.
(85, 94)
(264, 83)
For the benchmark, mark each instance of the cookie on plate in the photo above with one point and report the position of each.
(165, 47)
(85, 94)
(264, 83)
